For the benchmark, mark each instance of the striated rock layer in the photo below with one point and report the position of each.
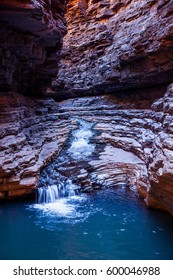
(160, 169)
(31, 34)
(115, 46)
(31, 134)
(132, 146)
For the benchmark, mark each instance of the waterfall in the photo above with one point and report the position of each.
(78, 149)
(81, 147)
(51, 193)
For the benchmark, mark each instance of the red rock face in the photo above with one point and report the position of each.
(114, 46)
(160, 194)
(28, 141)
(31, 35)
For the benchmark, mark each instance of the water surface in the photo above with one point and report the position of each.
(109, 224)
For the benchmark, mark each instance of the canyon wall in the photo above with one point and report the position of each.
(31, 134)
(118, 52)
(117, 46)
(160, 168)
(126, 48)
(31, 34)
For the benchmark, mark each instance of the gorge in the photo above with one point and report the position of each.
(87, 96)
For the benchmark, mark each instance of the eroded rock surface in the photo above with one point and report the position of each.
(31, 34)
(113, 46)
(161, 160)
(31, 135)
(131, 146)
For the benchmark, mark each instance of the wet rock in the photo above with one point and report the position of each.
(87, 189)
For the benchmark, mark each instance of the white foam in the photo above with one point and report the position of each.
(64, 207)
(59, 207)
(83, 133)
(79, 143)
(80, 147)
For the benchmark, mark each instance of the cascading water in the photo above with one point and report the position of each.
(53, 192)
(79, 149)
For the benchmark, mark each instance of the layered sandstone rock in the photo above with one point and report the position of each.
(160, 169)
(113, 46)
(136, 147)
(32, 133)
(31, 35)
(131, 146)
